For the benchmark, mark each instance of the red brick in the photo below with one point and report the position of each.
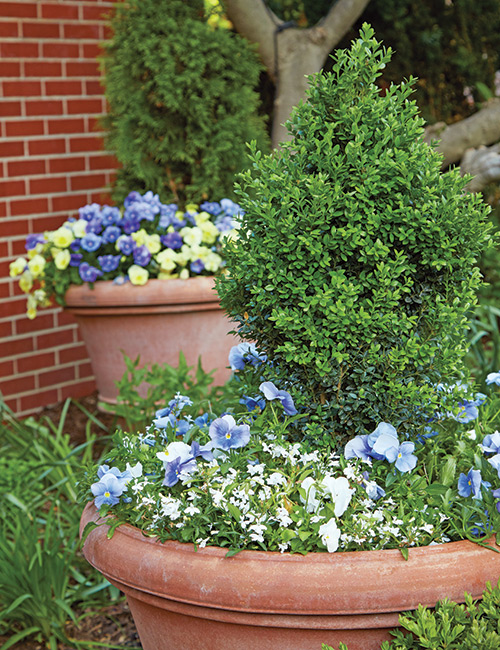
(106, 161)
(23, 128)
(3, 209)
(58, 376)
(72, 354)
(85, 106)
(16, 346)
(63, 87)
(87, 182)
(6, 329)
(25, 167)
(28, 206)
(59, 11)
(19, 50)
(44, 107)
(82, 69)
(51, 222)
(18, 247)
(85, 370)
(6, 368)
(21, 88)
(15, 227)
(48, 185)
(81, 31)
(60, 50)
(18, 10)
(69, 202)
(46, 146)
(9, 29)
(54, 339)
(101, 197)
(10, 68)
(43, 321)
(96, 13)
(15, 385)
(40, 30)
(61, 125)
(89, 143)
(93, 88)
(42, 69)
(36, 362)
(77, 390)
(12, 188)
(10, 149)
(63, 164)
(91, 50)
(30, 403)
(10, 108)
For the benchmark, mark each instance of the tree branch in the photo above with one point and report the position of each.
(257, 23)
(338, 21)
(483, 164)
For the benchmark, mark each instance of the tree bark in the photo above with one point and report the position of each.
(290, 53)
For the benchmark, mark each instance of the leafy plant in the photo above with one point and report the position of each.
(142, 389)
(483, 355)
(475, 625)
(181, 101)
(355, 267)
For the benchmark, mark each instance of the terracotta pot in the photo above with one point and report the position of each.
(182, 599)
(155, 322)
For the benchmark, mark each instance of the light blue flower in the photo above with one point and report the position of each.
(109, 263)
(212, 207)
(226, 434)
(90, 242)
(88, 273)
(491, 443)
(493, 378)
(178, 470)
(402, 456)
(244, 353)
(358, 447)
(253, 403)
(88, 212)
(470, 484)
(231, 208)
(111, 485)
(126, 245)
(205, 451)
(271, 392)
(383, 429)
(111, 234)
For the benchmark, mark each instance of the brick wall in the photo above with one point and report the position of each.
(52, 162)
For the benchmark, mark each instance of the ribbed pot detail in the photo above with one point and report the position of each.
(182, 599)
(155, 322)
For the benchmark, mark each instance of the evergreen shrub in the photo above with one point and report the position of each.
(356, 261)
(181, 101)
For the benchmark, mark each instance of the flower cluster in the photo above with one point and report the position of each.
(239, 481)
(146, 239)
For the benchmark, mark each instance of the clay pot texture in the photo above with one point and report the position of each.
(182, 599)
(154, 321)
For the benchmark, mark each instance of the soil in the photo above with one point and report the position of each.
(113, 626)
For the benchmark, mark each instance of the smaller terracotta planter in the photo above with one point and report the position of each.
(182, 599)
(155, 322)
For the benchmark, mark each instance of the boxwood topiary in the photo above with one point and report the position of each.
(355, 267)
(182, 101)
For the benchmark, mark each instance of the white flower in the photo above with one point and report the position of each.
(340, 492)
(330, 535)
(276, 478)
(136, 470)
(192, 510)
(170, 507)
(310, 501)
(175, 450)
(257, 534)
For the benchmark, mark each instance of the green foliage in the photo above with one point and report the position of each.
(355, 265)
(43, 577)
(483, 355)
(181, 101)
(475, 625)
(453, 46)
(142, 389)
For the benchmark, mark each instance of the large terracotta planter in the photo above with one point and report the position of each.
(155, 322)
(182, 599)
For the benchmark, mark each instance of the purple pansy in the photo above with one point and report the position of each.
(271, 393)
(88, 273)
(212, 207)
(226, 434)
(111, 234)
(109, 263)
(126, 245)
(197, 266)
(178, 470)
(172, 240)
(90, 242)
(75, 259)
(88, 212)
(142, 256)
(33, 240)
(244, 353)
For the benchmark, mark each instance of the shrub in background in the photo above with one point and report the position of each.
(181, 101)
(355, 265)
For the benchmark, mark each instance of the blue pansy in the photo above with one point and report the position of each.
(358, 447)
(178, 469)
(253, 403)
(142, 256)
(75, 259)
(226, 434)
(197, 266)
(110, 215)
(212, 207)
(271, 393)
(90, 242)
(109, 263)
(205, 451)
(172, 240)
(491, 443)
(94, 225)
(224, 223)
(88, 212)
(244, 353)
(88, 273)
(470, 484)
(111, 485)
(178, 402)
(230, 207)
(33, 240)
(111, 234)
(126, 245)
(75, 245)
(167, 215)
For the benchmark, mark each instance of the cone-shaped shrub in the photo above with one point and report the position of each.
(355, 268)
(182, 101)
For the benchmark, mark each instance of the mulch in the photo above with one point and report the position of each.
(110, 626)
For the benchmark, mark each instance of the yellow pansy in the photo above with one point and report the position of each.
(165, 275)
(167, 259)
(139, 237)
(153, 243)
(62, 237)
(17, 267)
(210, 232)
(184, 274)
(212, 262)
(79, 228)
(62, 259)
(26, 282)
(203, 217)
(36, 265)
(138, 275)
(192, 236)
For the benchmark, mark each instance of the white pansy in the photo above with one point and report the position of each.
(310, 501)
(175, 450)
(330, 535)
(340, 492)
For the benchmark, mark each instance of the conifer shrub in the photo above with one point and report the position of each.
(181, 101)
(355, 267)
